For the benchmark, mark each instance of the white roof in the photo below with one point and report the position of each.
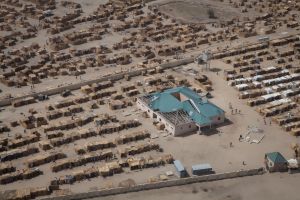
(268, 90)
(280, 101)
(275, 87)
(256, 83)
(279, 79)
(244, 85)
(295, 75)
(239, 79)
(255, 78)
(270, 68)
(281, 85)
(293, 163)
(286, 92)
(285, 70)
(269, 96)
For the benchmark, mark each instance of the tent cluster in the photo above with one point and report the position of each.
(115, 167)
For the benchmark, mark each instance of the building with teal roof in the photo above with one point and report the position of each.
(181, 110)
(275, 162)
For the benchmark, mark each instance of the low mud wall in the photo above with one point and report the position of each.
(158, 185)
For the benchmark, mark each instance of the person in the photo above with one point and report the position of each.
(230, 144)
(244, 163)
(240, 138)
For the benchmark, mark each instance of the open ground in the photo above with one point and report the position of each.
(254, 53)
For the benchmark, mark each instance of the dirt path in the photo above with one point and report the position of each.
(269, 186)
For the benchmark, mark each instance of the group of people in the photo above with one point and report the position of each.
(265, 122)
(234, 111)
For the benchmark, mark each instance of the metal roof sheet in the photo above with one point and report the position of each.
(199, 167)
(276, 157)
(179, 167)
(200, 110)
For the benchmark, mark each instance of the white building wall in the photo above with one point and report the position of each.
(218, 119)
(179, 129)
(171, 128)
(185, 128)
(141, 105)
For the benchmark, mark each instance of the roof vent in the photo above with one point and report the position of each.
(154, 98)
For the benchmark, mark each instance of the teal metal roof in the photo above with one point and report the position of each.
(165, 102)
(201, 111)
(276, 157)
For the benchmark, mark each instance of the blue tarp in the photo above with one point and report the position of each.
(202, 167)
(179, 167)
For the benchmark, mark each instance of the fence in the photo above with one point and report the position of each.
(158, 185)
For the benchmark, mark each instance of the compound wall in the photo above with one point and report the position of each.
(158, 185)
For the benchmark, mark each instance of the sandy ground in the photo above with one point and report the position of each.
(197, 11)
(192, 149)
(269, 186)
(187, 10)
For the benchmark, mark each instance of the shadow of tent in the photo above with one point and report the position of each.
(215, 69)
(187, 134)
(207, 131)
